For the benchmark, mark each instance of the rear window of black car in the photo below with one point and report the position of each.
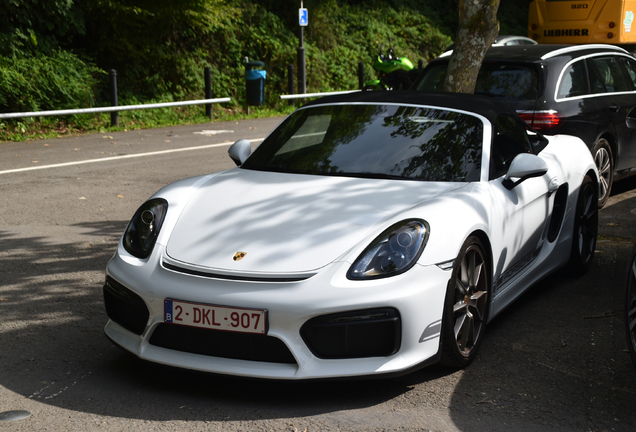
(375, 141)
(507, 80)
(574, 81)
(610, 74)
(630, 68)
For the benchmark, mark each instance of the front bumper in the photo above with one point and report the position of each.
(416, 296)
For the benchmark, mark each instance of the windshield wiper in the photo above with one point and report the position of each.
(373, 175)
(271, 169)
(369, 175)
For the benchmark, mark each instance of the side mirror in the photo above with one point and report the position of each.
(523, 167)
(631, 118)
(239, 151)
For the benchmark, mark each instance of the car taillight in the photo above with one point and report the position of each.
(542, 120)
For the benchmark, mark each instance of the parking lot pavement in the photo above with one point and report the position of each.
(555, 360)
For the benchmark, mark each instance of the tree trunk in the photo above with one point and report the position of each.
(478, 28)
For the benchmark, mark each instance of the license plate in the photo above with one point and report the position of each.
(215, 317)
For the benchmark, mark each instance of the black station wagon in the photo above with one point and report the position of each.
(581, 90)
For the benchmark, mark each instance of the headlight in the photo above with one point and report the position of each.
(393, 252)
(142, 231)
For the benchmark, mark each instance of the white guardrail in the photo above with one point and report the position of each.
(111, 108)
(148, 106)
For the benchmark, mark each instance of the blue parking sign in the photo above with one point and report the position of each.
(303, 17)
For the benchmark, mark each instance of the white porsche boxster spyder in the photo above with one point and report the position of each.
(372, 233)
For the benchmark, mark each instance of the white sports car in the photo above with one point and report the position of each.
(372, 233)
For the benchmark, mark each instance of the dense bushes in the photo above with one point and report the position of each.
(152, 63)
(37, 26)
(161, 47)
(45, 82)
(342, 36)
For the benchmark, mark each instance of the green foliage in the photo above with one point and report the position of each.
(513, 17)
(39, 82)
(342, 36)
(266, 39)
(157, 47)
(160, 48)
(31, 26)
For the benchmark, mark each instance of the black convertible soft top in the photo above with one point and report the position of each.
(482, 105)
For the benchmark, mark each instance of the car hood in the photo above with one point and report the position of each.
(286, 223)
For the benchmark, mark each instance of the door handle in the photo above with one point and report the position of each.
(614, 108)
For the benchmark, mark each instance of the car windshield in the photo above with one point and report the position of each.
(374, 141)
(514, 81)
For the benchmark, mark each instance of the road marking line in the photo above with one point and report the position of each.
(120, 157)
(213, 132)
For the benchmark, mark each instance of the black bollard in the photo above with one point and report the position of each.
(114, 115)
(290, 81)
(361, 75)
(208, 92)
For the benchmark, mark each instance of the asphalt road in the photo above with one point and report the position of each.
(554, 361)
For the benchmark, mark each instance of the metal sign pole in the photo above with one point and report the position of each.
(303, 20)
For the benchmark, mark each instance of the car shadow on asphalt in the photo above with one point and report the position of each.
(556, 356)
(54, 350)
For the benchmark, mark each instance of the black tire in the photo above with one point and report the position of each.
(604, 160)
(585, 227)
(630, 306)
(466, 306)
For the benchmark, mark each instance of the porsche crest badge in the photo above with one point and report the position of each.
(239, 256)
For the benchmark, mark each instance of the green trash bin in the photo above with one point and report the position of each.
(255, 83)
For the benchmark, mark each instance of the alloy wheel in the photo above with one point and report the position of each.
(586, 225)
(471, 300)
(603, 162)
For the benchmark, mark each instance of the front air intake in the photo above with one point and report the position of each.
(217, 343)
(125, 307)
(356, 334)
